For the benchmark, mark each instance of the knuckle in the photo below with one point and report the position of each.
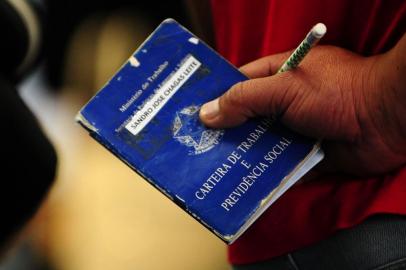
(236, 95)
(236, 101)
(291, 82)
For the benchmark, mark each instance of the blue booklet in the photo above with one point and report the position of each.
(148, 116)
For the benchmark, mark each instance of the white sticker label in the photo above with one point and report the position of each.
(143, 116)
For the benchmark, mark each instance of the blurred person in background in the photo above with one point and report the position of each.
(74, 47)
(33, 31)
(28, 158)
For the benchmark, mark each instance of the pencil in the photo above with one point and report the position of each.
(315, 34)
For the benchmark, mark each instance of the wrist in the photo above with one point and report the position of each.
(390, 89)
(393, 85)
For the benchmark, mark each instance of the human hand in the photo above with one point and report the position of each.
(357, 105)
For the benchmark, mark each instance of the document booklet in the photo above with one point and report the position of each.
(148, 116)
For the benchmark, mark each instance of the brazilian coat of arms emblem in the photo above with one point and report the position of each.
(190, 131)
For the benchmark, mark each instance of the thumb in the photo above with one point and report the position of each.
(257, 97)
(248, 98)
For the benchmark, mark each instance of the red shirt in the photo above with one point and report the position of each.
(246, 30)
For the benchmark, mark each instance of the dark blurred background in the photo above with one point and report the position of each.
(99, 214)
(64, 17)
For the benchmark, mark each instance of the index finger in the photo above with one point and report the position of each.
(265, 66)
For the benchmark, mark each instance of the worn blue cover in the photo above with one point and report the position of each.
(147, 115)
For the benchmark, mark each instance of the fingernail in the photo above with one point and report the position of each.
(210, 109)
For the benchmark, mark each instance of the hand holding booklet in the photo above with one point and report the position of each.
(148, 116)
